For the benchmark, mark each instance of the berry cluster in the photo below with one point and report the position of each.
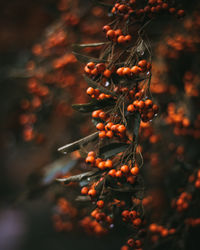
(116, 35)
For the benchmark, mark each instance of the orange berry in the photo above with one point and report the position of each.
(101, 165)
(155, 108)
(101, 67)
(108, 164)
(84, 191)
(136, 70)
(118, 32)
(97, 161)
(148, 103)
(137, 222)
(118, 174)
(128, 38)
(91, 65)
(106, 28)
(90, 159)
(130, 179)
(100, 126)
(102, 115)
(121, 39)
(100, 203)
(87, 70)
(92, 192)
(107, 73)
(95, 114)
(142, 63)
(122, 8)
(140, 104)
(135, 170)
(121, 128)
(130, 108)
(108, 125)
(102, 96)
(94, 72)
(109, 134)
(91, 153)
(126, 71)
(125, 169)
(90, 91)
(112, 172)
(120, 71)
(130, 242)
(110, 34)
(133, 214)
(102, 134)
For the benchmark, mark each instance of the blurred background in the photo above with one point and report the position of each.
(30, 136)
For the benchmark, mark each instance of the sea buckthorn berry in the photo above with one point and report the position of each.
(122, 8)
(95, 114)
(133, 214)
(152, 2)
(84, 191)
(91, 65)
(102, 96)
(128, 38)
(118, 32)
(107, 73)
(100, 203)
(125, 169)
(140, 104)
(130, 108)
(118, 174)
(130, 242)
(96, 92)
(108, 164)
(155, 108)
(109, 134)
(90, 159)
(102, 134)
(87, 70)
(97, 161)
(130, 179)
(92, 192)
(112, 172)
(121, 39)
(164, 232)
(120, 71)
(90, 91)
(135, 70)
(148, 103)
(101, 67)
(142, 63)
(180, 13)
(172, 10)
(94, 72)
(101, 165)
(137, 222)
(126, 71)
(197, 183)
(91, 153)
(106, 28)
(165, 6)
(125, 213)
(110, 34)
(138, 243)
(135, 104)
(135, 170)
(108, 125)
(100, 126)
(124, 247)
(102, 115)
(153, 227)
(121, 128)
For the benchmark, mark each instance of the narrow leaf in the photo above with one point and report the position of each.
(77, 144)
(112, 149)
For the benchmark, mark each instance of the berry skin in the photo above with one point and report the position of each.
(121, 128)
(125, 169)
(92, 192)
(142, 63)
(106, 28)
(108, 164)
(137, 222)
(90, 91)
(130, 108)
(136, 70)
(100, 203)
(84, 191)
(135, 170)
(102, 134)
(128, 38)
(121, 39)
(100, 126)
(112, 172)
(119, 174)
(107, 73)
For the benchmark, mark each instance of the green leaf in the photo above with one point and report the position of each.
(112, 149)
